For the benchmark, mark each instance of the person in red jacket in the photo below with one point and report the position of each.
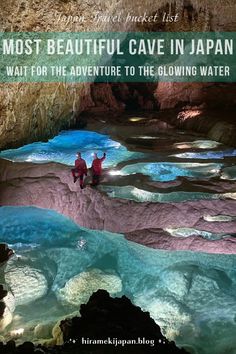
(97, 169)
(80, 170)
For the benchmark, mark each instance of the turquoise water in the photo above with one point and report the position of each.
(63, 149)
(140, 195)
(207, 155)
(192, 296)
(169, 171)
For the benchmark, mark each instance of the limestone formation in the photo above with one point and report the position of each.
(78, 289)
(26, 183)
(37, 111)
(102, 318)
(7, 303)
(26, 283)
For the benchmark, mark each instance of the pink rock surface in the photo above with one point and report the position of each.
(161, 240)
(51, 186)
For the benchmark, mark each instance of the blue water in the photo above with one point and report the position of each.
(63, 149)
(141, 195)
(208, 155)
(192, 296)
(169, 171)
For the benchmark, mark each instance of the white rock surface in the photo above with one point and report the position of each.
(78, 289)
(27, 284)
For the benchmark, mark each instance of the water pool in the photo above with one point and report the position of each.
(63, 149)
(192, 296)
(141, 195)
(170, 171)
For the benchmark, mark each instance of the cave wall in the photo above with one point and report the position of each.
(206, 108)
(31, 112)
(35, 111)
(179, 94)
(36, 15)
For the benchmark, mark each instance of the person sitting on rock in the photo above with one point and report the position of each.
(80, 170)
(97, 169)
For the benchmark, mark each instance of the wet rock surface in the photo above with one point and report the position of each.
(105, 318)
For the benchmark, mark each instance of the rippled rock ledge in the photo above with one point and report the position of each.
(102, 318)
(24, 184)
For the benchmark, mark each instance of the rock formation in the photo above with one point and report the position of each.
(5, 311)
(205, 108)
(79, 288)
(104, 318)
(25, 184)
(159, 239)
(3, 293)
(37, 111)
(5, 253)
